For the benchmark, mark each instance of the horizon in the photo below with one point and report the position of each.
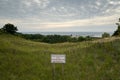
(63, 31)
(60, 15)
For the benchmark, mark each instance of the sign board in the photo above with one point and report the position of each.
(58, 58)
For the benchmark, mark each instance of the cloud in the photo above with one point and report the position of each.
(56, 14)
(37, 1)
(27, 3)
(98, 3)
(114, 2)
(40, 3)
(96, 21)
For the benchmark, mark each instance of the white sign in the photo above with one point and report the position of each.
(58, 58)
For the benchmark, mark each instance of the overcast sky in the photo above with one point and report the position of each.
(60, 15)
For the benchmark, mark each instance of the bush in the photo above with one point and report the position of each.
(117, 32)
(55, 38)
(81, 38)
(88, 38)
(104, 35)
(0, 31)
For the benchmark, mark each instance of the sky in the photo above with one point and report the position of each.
(60, 15)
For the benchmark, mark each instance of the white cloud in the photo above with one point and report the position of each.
(60, 12)
(114, 2)
(98, 3)
(53, 9)
(28, 4)
(39, 3)
(96, 21)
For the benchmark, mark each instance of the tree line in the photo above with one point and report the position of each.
(11, 29)
(54, 38)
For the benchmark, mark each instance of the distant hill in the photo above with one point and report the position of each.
(22, 59)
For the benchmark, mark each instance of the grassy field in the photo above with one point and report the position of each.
(21, 59)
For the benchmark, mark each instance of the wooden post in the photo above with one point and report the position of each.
(63, 70)
(53, 71)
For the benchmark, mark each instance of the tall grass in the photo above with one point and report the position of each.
(21, 59)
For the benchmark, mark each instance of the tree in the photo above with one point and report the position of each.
(9, 28)
(117, 32)
(104, 35)
(81, 38)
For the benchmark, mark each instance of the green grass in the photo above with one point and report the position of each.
(21, 59)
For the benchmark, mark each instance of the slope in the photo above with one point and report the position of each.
(21, 59)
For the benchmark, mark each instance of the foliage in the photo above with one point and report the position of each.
(117, 32)
(81, 38)
(35, 37)
(22, 59)
(1, 31)
(104, 35)
(73, 39)
(9, 28)
(88, 38)
(54, 38)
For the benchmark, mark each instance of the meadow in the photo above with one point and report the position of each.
(22, 59)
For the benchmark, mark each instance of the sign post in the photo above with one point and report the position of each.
(58, 58)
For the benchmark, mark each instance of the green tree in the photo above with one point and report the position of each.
(9, 28)
(117, 32)
(81, 38)
(104, 35)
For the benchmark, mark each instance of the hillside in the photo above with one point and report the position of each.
(21, 59)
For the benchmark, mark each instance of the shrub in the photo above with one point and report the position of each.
(104, 35)
(81, 38)
(117, 32)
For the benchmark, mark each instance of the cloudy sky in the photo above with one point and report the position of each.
(60, 15)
